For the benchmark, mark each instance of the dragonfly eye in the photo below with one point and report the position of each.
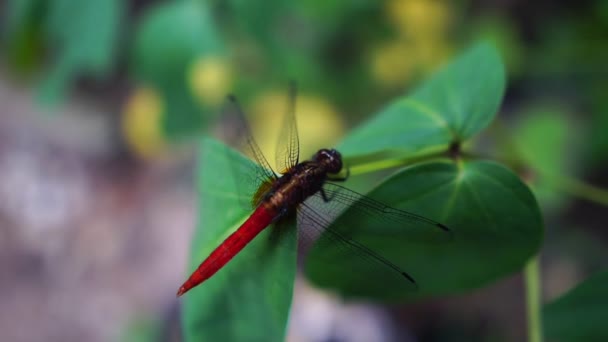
(331, 159)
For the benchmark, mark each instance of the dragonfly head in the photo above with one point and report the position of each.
(331, 159)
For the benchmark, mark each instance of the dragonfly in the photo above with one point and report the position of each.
(309, 191)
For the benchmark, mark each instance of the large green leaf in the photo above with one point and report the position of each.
(456, 103)
(249, 299)
(495, 221)
(85, 37)
(580, 314)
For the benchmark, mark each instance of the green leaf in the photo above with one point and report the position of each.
(259, 19)
(169, 38)
(580, 314)
(504, 34)
(453, 105)
(249, 299)
(495, 221)
(86, 36)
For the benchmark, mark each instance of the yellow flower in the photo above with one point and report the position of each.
(392, 64)
(209, 79)
(420, 19)
(141, 123)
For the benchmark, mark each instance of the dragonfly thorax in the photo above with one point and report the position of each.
(330, 159)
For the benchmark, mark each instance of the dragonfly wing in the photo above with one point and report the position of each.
(335, 226)
(243, 135)
(288, 146)
(237, 130)
(329, 249)
(365, 212)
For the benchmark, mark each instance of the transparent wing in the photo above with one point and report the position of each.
(365, 212)
(341, 226)
(243, 131)
(331, 245)
(237, 132)
(288, 146)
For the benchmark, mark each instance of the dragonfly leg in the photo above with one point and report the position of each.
(341, 179)
(324, 195)
(326, 198)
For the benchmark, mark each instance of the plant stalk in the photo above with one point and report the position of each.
(533, 300)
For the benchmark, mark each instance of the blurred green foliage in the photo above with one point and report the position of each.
(545, 144)
(22, 33)
(169, 38)
(82, 37)
(580, 314)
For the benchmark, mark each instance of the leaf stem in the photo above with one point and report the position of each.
(379, 165)
(533, 300)
(581, 189)
(375, 166)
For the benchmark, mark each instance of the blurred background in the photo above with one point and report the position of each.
(102, 104)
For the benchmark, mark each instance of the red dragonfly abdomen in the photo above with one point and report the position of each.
(261, 218)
